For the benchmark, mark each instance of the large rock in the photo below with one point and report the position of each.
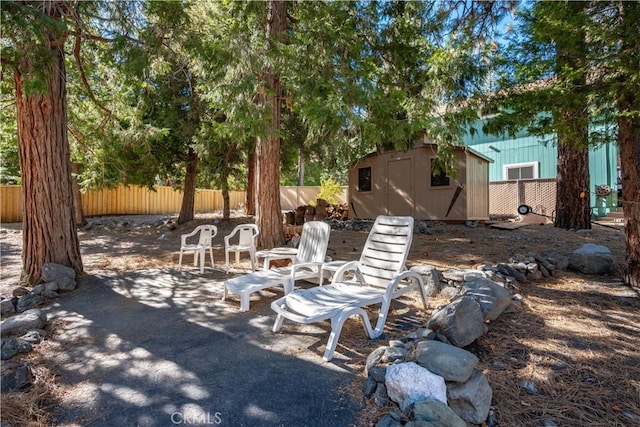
(450, 362)
(30, 301)
(374, 358)
(52, 272)
(408, 383)
(508, 270)
(430, 278)
(461, 321)
(493, 298)
(10, 346)
(8, 306)
(21, 323)
(15, 376)
(63, 284)
(434, 413)
(471, 400)
(592, 259)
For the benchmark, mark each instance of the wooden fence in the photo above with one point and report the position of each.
(504, 199)
(131, 200)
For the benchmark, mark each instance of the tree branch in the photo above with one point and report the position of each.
(83, 75)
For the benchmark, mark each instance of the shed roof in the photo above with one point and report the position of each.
(424, 142)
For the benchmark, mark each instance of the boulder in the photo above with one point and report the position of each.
(15, 376)
(11, 346)
(435, 414)
(408, 383)
(450, 362)
(471, 400)
(392, 419)
(461, 321)
(8, 306)
(52, 271)
(30, 301)
(64, 284)
(430, 278)
(22, 323)
(492, 297)
(592, 259)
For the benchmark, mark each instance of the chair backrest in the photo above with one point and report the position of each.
(386, 250)
(314, 240)
(247, 233)
(207, 233)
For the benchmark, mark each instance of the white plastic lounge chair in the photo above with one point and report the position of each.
(378, 277)
(205, 233)
(306, 264)
(245, 242)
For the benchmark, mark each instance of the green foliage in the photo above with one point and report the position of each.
(558, 61)
(330, 189)
(357, 77)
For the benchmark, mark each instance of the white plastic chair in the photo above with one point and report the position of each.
(245, 242)
(379, 277)
(205, 233)
(307, 264)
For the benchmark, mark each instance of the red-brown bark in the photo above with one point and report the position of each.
(269, 212)
(189, 190)
(49, 226)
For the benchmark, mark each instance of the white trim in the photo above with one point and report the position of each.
(506, 167)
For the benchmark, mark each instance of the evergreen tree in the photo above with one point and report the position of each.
(572, 65)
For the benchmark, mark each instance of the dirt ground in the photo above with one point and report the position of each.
(576, 337)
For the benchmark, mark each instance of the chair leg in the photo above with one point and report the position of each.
(382, 318)
(195, 258)
(244, 301)
(336, 327)
(201, 252)
(224, 293)
(211, 256)
(226, 261)
(278, 323)
(238, 258)
(180, 261)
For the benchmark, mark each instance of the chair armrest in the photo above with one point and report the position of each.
(227, 238)
(309, 265)
(339, 274)
(184, 237)
(393, 288)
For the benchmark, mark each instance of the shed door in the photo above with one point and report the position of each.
(400, 187)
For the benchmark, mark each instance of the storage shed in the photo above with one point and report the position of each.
(408, 183)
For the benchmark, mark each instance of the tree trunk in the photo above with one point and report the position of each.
(226, 210)
(77, 196)
(224, 179)
(49, 226)
(251, 183)
(572, 188)
(269, 212)
(573, 201)
(300, 169)
(629, 145)
(189, 193)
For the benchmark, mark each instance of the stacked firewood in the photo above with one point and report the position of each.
(338, 212)
(321, 211)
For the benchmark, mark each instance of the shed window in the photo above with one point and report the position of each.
(518, 171)
(364, 179)
(439, 177)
